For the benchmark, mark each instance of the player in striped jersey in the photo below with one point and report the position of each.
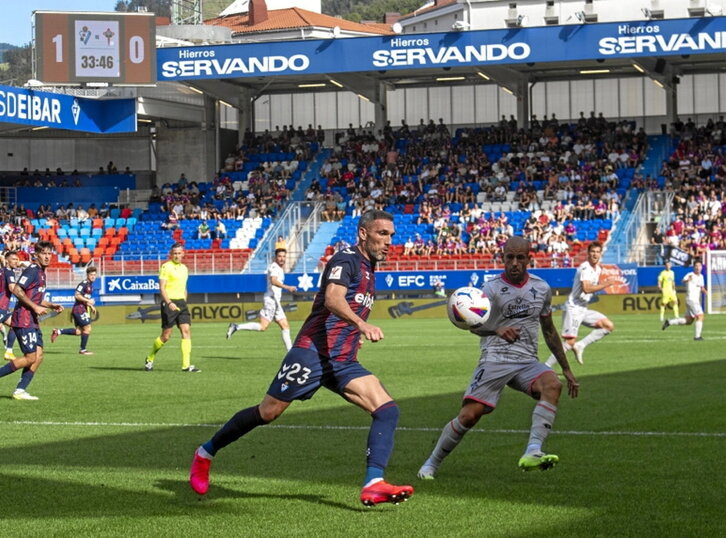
(325, 354)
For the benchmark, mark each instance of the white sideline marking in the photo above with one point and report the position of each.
(353, 428)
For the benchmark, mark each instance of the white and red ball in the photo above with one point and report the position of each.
(468, 308)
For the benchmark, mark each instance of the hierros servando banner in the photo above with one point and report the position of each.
(452, 49)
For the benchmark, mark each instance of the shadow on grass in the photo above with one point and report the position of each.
(184, 494)
(624, 468)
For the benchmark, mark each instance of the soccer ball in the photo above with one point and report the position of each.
(468, 308)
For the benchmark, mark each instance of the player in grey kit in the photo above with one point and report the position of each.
(521, 303)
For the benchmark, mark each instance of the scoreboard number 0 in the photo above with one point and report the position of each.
(76, 47)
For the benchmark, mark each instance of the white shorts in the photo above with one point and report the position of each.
(272, 309)
(693, 309)
(574, 316)
(490, 378)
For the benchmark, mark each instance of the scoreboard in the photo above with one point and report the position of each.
(78, 47)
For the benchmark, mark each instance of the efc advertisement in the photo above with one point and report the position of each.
(627, 274)
(452, 49)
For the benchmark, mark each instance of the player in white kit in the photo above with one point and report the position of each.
(587, 282)
(695, 286)
(521, 304)
(271, 307)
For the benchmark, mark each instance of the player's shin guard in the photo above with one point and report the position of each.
(186, 351)
(543, 417)
(156, 346)
(252, 326)
(84, 340)
(450, 437)
(240, 424)
(10, 340)
(8, 369)
(380, 440)
(286, 338)
(25, 378)
(593, 337)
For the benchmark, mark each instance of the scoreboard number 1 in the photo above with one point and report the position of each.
(95, 47)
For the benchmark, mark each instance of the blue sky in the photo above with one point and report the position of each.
(15, 22)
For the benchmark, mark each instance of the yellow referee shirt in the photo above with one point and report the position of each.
(667, 281)
(176, 275)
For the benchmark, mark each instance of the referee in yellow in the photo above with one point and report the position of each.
(667, 287)
(173, 276)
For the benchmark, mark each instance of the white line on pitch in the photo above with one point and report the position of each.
(347, 428)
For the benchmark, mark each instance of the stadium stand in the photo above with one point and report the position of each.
(457, 199)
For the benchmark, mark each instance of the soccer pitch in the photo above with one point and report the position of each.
(106, 450)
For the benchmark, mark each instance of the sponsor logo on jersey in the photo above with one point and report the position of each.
(364, 299)
(336, 272)
(516, 309)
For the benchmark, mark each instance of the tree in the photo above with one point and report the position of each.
(161, 8)
(19, 61)
(374, 10)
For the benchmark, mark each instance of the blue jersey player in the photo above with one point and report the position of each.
(82, 311)
(31, 305)
(8, 300)
(325, 354)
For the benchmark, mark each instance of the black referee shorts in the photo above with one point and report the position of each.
(171, 318)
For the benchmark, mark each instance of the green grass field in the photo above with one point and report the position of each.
(106, 450)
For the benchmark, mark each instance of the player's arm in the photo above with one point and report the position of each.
(589, 287)
(552, 339)
(165, 294)
(276, 282)
(79, 297)
(19, 292)
(336, 303)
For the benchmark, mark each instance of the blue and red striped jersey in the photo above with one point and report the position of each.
(6, 279)
(33, 283)
(325, 332)
(85, 288)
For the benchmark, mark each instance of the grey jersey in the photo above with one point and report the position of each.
(519, 306)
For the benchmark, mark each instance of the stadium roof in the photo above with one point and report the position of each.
(294, 18)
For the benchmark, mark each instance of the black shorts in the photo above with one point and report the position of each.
(171, 318)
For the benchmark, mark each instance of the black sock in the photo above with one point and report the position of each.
(240, 424)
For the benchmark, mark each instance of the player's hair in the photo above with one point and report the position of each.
(178, 244)
(374, 214)
(278, 250)
(91, 269)
(594, 244)
(9, 253)
(43, 245)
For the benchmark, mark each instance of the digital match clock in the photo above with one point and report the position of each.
(77, 47)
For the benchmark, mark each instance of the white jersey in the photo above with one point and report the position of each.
(518, 306)
(694, 283)
(278, 272)
(585, 273)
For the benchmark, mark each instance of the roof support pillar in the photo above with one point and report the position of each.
(380, 104)
(245, 114)
(523, 102)
(210, 137)
(671, 93)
